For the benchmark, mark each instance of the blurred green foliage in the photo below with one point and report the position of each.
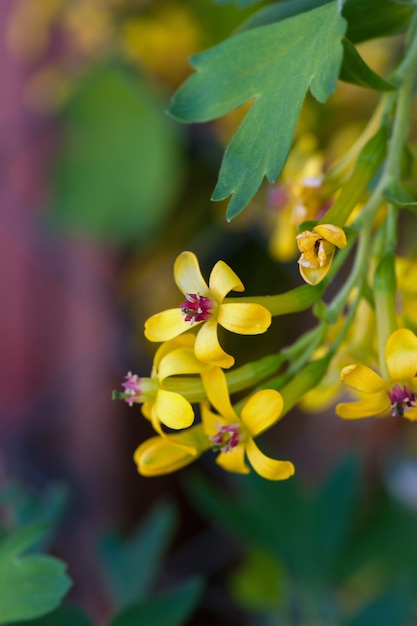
(333, 555)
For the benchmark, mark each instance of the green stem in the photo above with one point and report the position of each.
(238, 379)
(293, 301)
(357, 274)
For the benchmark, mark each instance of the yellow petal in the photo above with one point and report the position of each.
(268, 468)
(411, 414)
(179, 361)
(362, 378)
(166, 325)
(207, 347)
(375, 404)
(215, 385)
(244, 318)
(401, 354)
(314, 275)
(211, 421)
(187, 274)
(222, 280)
(332, 233)
(182, 341)
(173, 410)
(233, 461)
(262, 410)
(306, 240)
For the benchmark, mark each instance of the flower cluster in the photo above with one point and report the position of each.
(189, 368)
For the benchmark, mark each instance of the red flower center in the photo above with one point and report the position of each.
(196, 308)
(402, 399)
(226, 438)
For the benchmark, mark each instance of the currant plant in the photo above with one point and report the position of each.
(340, 214)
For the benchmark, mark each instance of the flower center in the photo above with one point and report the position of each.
(196, 308)
(226, 438)
(402, 399)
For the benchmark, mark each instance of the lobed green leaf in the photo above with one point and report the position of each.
(273, 66)
(30, 585)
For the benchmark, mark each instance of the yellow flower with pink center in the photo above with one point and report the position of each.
(397, 395)
(205, 306)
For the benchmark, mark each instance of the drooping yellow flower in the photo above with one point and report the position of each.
(161, 405)
(396, 396)
(204, 306)
(233, 435)
(317, 249)
(164, 455)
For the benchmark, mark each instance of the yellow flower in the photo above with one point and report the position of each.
(163, 455)
(205, 304)
(317, 249)
(233, 436)
(397, 395)
(160, 405)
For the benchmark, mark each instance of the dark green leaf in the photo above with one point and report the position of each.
(336, 508)
(131, 565)
(282, 530)
(120, 165)
(280, 11)
(368, 19)
(170, 609)
(63, 616)
(395, 193)
(31, 585)
(366, 168)
(241, 4)
(275, 65)
(355, 70)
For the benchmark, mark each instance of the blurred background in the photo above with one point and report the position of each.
(100, 192)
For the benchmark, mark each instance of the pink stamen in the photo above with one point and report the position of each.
(402, 399)
(132, 387)
(226, 438)
(196, 308)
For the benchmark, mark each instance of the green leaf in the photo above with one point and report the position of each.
(31, 585)
(120, 167)
(63, 616)
(30, 507)
(355, 70)
(274, 65)
(369, 19)
(131, 565)
(170, 609)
